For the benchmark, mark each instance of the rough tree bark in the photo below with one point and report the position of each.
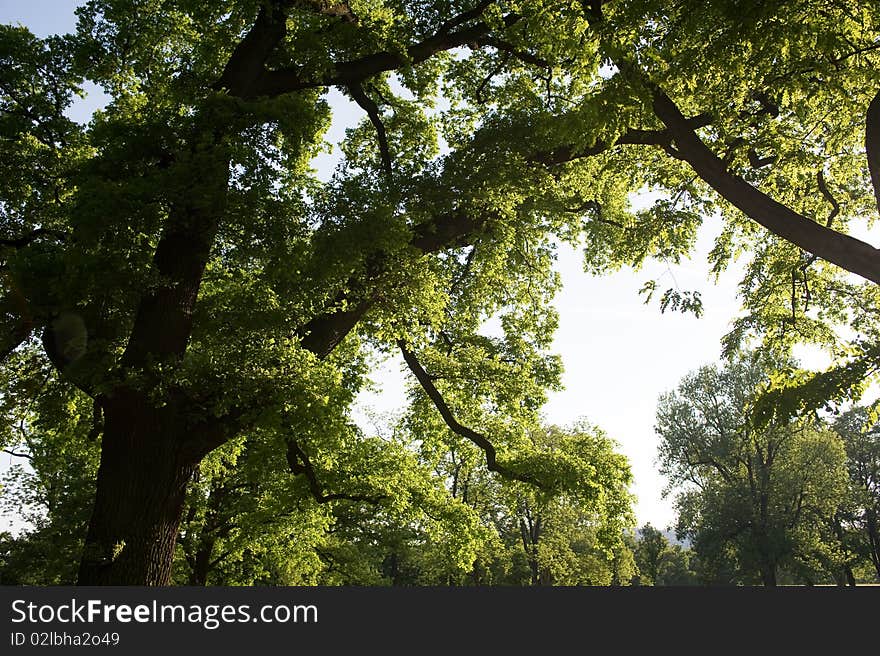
(141, 485)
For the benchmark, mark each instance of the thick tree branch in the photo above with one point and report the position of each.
(285, 80)
(369, 106)
(847, 252)
(299, 463)
(163, 321)
(246, 76)
(455, 230)
(31, 237)
(247, 64)
(450, 230)
(633, 137)
(872, 145)
(757, 162)
(480, 440)
(324, 332)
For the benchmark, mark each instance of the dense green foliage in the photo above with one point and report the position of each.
(662, 563)
(857, 523)
(761, 501)
(205, 309)
(432, 515)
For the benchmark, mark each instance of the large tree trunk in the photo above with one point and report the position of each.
(140, 493)
(145, 466)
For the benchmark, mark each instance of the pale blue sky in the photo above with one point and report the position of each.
(619, 354)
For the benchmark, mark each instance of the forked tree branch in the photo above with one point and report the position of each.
(324, 332)
(261, 81)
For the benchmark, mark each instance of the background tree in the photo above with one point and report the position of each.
(650, 548)
(660, 562)
(759, 496)
(677, 567)
(573, 535)
(51, 486)
(860, 517)
(574, 539)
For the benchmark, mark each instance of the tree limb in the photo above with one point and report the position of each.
(478, 94)
(872, 145)
(757, 162)
(455, 229)
(843, 250)
(369, 106)
(510, 49)
(477, 438)
(826, 193)
(273, 83)
(464, 17)
(847, 252)
(633, 137)
(299, 463)
(16, 454)
(31, 237)
(324, 332)
(247, 63)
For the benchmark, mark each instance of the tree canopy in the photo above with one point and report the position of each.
(177, 268)
(762, 502)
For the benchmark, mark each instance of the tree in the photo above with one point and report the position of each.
(760, 496)
(676, 567)
(662, 563)
(650, 548)
(576, 539)
(570, 531)
(862, 442)
(180, 265)
(248, 519)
